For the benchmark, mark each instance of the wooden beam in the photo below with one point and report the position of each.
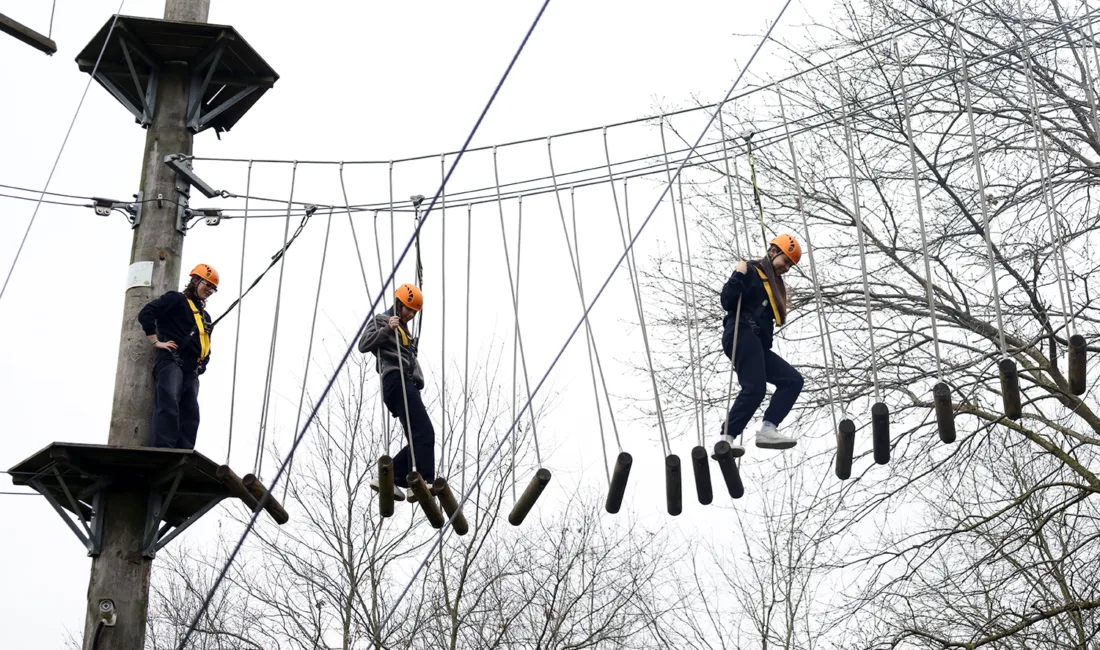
(27, 35)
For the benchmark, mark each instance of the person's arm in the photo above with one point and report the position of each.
(148, 316)
(733, 288)
(373, 335)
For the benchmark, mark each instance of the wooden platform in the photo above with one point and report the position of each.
(228, 76)
(182, 486)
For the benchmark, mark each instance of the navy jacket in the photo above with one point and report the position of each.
(171, 319)
(756, 312)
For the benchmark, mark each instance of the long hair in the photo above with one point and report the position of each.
(191, 290)
(779, 288)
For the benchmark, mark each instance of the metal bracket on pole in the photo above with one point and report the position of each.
(90, 519)
(157, 535)
(185, 180)
(132, 210)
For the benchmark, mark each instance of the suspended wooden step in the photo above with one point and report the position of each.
(1010, 389)
(723, 453)
(945, 412)
(266, 499)
(21, 32)
(845, 448)
(619, 477)
(880, 432)
(1077, 356)
(673, 490)
(701, 466)
(385, 486)
(424, 498)
(450, 506)
(527, 500)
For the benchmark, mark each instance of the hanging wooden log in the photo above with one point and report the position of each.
(845, 448)
(1077, 357)
(701, 466)
(1010, 389)
(618, 482)
(272, 506)
(945, 412)
(880, 432)
(424, 498)
(673, 489)
(527, 500)
(732, 476)
(450, 506)
(385, 486)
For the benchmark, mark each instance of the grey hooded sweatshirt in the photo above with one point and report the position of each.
(382, 341)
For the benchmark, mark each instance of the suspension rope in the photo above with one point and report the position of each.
(343, 361)
(443, 298)
(405, 394)
(683, 283)
(981, 192)
(515, 309)
(309, 348)
(393, 249)
(574, 264)
(515, 334)
(694, 324)
(744, 212)
(737, 248)
(49, 34)
(729, 181)
(383, 284)
(596, 350)
(910, 138)
(635, 286)
(1047, 187)
(240, 314)
(64, 141)
(628, 249)
(850, 152)
(354, 235)
(466, 358)
(822, 321)
(626, 253)
(265, 412)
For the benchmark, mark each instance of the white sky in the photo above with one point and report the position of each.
(370, 81)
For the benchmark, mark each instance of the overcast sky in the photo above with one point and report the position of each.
(358, 81)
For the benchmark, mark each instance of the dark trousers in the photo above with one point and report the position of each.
(756, 367)
(175, 406)
(422, 435)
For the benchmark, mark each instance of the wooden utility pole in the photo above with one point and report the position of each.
(120, 573)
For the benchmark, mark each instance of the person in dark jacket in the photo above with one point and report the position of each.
(179, 327)
(755, 300)
(388, 337)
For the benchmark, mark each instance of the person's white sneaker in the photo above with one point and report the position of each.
(770, 438)
(398, 493)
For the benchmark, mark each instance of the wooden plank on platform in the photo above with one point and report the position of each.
(27, 35)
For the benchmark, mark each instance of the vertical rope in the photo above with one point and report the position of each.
(258, 464)
(920, 209)
(683, 284)
(822, 322)
(574, 264)
(515, 306)
(595, 349)
(744, 213)
(405, 397)
(393, 246)
(240, 310)
(635, 287)
(737, 249)
(53, 9)
(729, 180)
(466, 358)
(981, 191)
(443, 296)
(1047, 187)
(515, 337)
(354, 235)
(846, 118)
(383, 284)
(309, 348)
(662, 426)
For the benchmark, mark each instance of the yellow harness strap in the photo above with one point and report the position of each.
(404, 336)
(771, 296)
(204, 336)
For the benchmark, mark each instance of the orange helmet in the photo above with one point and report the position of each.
(410, 296)
(788, 245)
(206, 272)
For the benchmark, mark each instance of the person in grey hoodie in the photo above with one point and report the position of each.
(389, 338)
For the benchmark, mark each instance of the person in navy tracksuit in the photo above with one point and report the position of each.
(755, 300)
